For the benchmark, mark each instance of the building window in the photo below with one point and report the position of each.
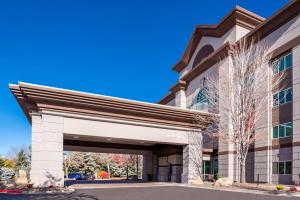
(283, 130)
(200, 102)
(282, 63)
(203, 53)
(201, 96)
(282, 167)
(283, 96)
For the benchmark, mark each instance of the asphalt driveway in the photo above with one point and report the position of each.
(149, 193)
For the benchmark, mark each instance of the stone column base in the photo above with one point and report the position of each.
(43, 178)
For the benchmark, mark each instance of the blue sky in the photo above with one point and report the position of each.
(118, 48)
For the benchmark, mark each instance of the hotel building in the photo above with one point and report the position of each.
(77, 121)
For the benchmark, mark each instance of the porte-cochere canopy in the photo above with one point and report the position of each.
(71, 120)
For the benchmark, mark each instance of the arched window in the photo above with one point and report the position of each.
(203, 53)
(200, 102)
(201, 96)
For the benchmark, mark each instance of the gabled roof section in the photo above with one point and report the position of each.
(237, 16)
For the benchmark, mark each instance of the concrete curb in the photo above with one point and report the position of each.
(242, 190)
(67, 191)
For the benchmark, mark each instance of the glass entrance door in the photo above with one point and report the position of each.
(216, 168)
(206, 169)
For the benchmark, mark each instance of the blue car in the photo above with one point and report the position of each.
(76, 176)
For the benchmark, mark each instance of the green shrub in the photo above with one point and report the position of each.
(6, 174)
(217, 176)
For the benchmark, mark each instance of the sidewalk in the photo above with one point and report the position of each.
(241, 190)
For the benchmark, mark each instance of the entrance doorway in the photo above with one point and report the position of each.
(206, 169)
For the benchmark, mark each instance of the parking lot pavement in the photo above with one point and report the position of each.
(149, 193)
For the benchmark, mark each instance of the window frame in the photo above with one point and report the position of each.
(284, 62)
(285, 130)
(277, 172)
(288, 161)
(278, 100)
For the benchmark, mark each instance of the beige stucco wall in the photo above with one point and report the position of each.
(296, 112)
(284, 34)
(117, 129)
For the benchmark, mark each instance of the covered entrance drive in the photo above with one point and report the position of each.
(70, 120)
(158, 162)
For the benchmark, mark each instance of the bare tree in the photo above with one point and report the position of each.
(67, 163)
(241, 94)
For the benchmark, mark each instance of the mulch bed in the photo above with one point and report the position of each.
(16, 191)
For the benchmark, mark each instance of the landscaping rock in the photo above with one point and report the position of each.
(224, 182)
(197, 181)
(22, 180)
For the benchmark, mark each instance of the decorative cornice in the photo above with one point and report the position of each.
(37, 98)
(181, 85)
(286, 47)
(279, 18)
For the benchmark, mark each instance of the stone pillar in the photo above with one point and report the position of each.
(176, 161)
(263, 152)
(192, 158)
(296, 114)
(47, 151)
(147, 167)
(180, 96)
(226, 149)
(188, 169)
(227, 165)
(263, 132)
(162, 169)
(227, 161)
(154, 167)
